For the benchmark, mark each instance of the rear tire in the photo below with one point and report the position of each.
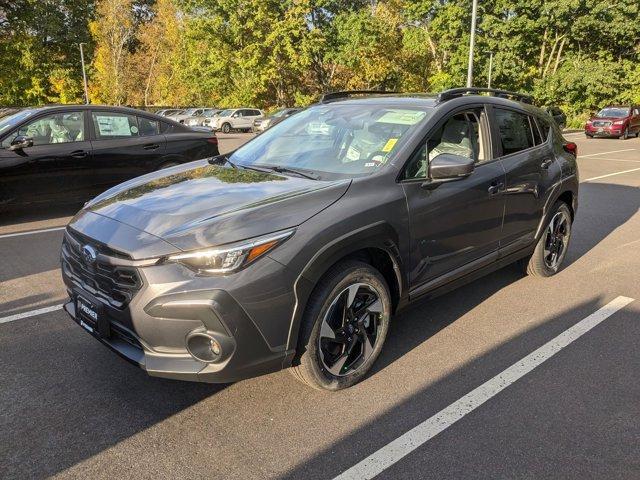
(552, 246)
(344, 327)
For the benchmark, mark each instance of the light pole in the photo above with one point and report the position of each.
(472, 42)
(490, 69)
(84, 76)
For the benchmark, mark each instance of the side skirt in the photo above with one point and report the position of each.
(476, 270)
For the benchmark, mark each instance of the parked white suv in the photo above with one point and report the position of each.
(235, 119)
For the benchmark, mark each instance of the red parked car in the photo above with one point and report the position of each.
(614, 121)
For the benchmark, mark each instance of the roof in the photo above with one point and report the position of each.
(424, 100)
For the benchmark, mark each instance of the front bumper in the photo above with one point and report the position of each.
(608, 131)
(245, 353)
(248, 313)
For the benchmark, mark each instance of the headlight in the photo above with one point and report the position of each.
(229, 258)
(618, 122)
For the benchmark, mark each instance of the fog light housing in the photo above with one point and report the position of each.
(204, 347)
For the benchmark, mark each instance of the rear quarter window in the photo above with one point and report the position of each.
(544, 126)
(148, 127)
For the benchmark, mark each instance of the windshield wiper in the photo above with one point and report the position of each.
(256, 169)
(214, 160)
(281, 169)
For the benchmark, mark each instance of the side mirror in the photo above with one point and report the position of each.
(449, 166)
(235, 115)
(21, 142)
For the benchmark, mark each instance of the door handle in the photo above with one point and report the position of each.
(546, 162)
(495, 187)
(151, 146)
(78, 154)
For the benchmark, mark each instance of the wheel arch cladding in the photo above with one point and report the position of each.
(567, 197)
(375, 244)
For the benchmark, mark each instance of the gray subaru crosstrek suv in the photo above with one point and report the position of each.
(296, 249)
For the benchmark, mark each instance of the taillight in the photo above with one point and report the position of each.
(571, 148)
(213, 140)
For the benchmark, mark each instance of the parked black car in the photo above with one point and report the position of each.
(70, 153)
(297, 249)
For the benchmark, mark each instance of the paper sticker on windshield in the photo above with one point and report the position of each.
(389, 145)
(402, 117)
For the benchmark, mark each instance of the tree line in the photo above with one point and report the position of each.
(577, 54)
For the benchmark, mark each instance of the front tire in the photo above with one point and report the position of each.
(625, 135)
(226, 128)
(344, 327)
(553, 244)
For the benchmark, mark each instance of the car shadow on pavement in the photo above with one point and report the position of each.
(74, 398)
(591, 226)
(25, 303)
(505, 438)
(39, 213)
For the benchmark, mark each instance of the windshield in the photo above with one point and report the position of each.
(614, 112)
(10, 121)
(225, 113)
(333, 140)
(209, 113)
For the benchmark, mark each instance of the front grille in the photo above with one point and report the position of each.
(116, 285)
(601, 123)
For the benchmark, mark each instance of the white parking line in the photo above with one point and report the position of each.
(44, 230)
(614, 160)
(607, 153)
(417, 436)
(31, 313)
(610, 175)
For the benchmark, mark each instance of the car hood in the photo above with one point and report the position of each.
(198, 205)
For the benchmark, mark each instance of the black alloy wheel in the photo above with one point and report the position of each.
(349, 329)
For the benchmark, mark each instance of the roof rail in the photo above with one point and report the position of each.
(328, 97)
(494, 92)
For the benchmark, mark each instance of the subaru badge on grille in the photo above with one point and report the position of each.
(89, 254)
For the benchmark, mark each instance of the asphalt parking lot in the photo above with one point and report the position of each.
(507, 377)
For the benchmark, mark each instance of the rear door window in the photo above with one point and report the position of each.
(111, 125)
(514, 130)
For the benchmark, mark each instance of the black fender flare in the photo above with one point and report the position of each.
(379, 235)
(568, 184)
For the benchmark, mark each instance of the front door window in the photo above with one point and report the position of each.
(55, 128)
